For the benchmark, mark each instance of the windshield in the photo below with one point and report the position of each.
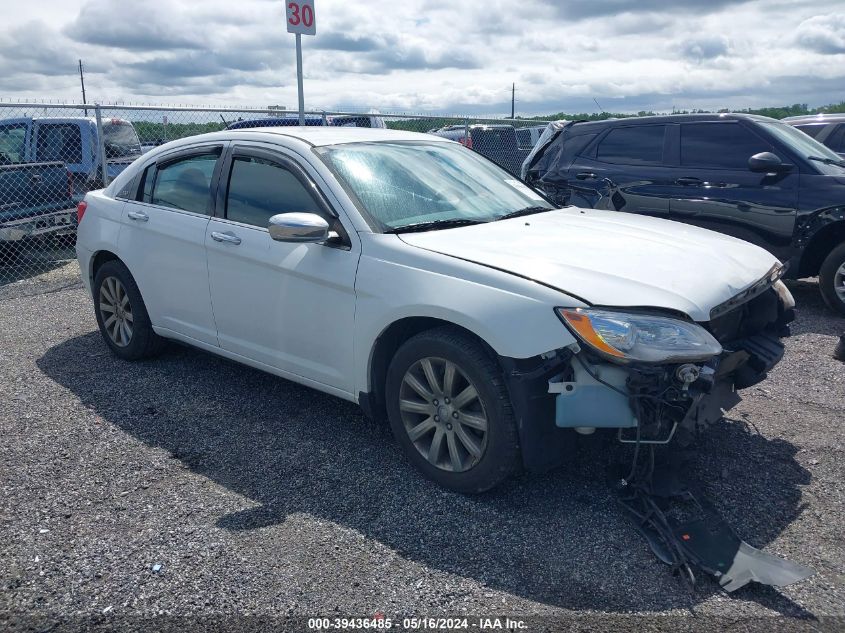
(400, 184)
(806, 146)
(120, 139)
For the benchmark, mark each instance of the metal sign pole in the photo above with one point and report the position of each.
(299, 78)
(301, 21)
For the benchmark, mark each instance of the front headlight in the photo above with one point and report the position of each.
(626, 337)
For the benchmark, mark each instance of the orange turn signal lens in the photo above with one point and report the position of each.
(584, 328)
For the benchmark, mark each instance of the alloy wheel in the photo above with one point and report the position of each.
(443, 414)
(116, 311)
(839, 282)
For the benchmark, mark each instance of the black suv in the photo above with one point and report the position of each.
(747, 176)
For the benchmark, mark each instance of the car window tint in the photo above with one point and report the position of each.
(260, 189)
(637, 145)
(719, 145)
(146, 189)
(61, 142)
(185, 184)
(836, 139)
(812, 129)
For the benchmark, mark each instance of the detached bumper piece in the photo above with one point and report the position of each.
(685, 531)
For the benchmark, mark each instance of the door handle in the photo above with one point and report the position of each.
(688, 181)
(229, 238)
(585, 175)
(140, 216)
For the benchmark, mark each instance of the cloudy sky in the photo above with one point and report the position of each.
(432, 55)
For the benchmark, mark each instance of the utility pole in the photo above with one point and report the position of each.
(513, 100)
(82, 81)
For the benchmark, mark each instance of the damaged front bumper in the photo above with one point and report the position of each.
(654, 403)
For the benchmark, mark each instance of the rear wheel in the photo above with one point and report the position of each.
(832, 279)
(122, 315)
(450, 411)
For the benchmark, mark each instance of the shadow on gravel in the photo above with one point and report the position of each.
(557, 539)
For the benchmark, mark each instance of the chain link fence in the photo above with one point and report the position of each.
(51, 155)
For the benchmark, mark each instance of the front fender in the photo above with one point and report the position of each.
(514, 316)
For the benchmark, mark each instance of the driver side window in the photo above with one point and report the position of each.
(259, 189)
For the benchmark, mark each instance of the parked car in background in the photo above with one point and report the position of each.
(496, 142)
(827, 129)
(36, 198)
(74, 142)
(747, 176)
(527, 137)
(408, 274)
(332, 120)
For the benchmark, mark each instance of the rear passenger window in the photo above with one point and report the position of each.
(836, 139)
(636, 145)
(185, 184)
(147, 181)
(812, 129)
(59, 141)
(719, 145)
(260, 189)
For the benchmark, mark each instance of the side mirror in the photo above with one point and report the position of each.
(298, 227)
(768, 163)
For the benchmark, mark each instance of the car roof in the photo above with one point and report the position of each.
(329, 135)
(815, 118)
(677, 118)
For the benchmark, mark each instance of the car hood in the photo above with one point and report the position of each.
(609, 258)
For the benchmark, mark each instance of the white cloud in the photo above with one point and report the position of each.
(421, 55)
(823, 33)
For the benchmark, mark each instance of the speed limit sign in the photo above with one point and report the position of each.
(301, 19)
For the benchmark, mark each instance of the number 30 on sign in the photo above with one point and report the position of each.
(300, 15)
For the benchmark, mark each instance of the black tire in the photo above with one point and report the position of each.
(143, 342)
(500, 453)
(831, 274)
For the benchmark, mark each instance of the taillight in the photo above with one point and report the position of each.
(467, 142)
(80, 211)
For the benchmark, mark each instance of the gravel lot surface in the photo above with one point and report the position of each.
(191, 486)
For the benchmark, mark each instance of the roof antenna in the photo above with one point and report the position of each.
(599, 107)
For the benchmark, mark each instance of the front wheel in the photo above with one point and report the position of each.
(832, 279)
(450, 411)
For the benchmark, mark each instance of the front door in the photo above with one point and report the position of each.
(286, 305)
(715, 189)
(163, 241)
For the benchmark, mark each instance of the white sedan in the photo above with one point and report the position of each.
(408, 274)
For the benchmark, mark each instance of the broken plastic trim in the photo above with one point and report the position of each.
(764, 283)
(702, 538)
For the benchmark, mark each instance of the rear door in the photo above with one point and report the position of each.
(715, 189)
(163, 240)
(286, 305)
(625, 171)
